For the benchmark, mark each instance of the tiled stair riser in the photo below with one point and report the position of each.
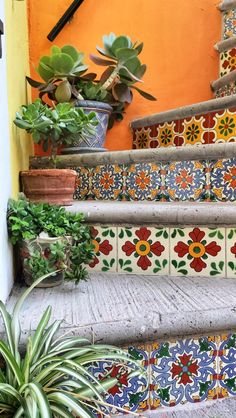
(227, 62)
(208, 128)
(229, 27)
(227, 90)
(175, 181)
(190, 251)
(177, 372)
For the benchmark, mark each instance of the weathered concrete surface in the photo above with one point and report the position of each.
(185, 111)
(121, 309)
(227, 5)
(156, 213)
(224, 81)
(226, 44)
(155, 155)
(223, 408)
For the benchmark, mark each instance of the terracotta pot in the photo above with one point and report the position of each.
(54, 186)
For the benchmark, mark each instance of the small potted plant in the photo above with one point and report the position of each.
(65, 79)
(51, 127)
(49, 238)
(53, 376)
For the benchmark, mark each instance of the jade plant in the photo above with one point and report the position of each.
(65, 76)
(52, 377)
(27, 220)
(54, 126)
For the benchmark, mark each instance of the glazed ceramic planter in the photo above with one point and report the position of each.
(55, 186)
(95, 142)
(41, 245)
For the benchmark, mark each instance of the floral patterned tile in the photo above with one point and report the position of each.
(227, 365)
(193, 130)
(222, 126)
(83, 183)
(105, 247)
(229, 17)
(143, 250)
(167, 134)
(183, 371)
(223, 179)
(231, 252)
(130, 392)
(227, 62)
(186, 180)
(143, 181)
(226, 90)
(141, 138)
(197, 252)
(107, 182)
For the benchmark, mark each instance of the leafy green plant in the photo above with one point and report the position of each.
(53, 378)
(54, 126)
(27, 220)
(65, 79)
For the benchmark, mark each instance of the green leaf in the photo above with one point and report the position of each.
(41, 399)
(62, 63)
(11, 362)
(125, 54)
(70, 50)
(101, 61)
(69, 402)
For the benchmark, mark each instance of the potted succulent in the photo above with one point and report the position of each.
(51, 127)
(53, 376)
(48, 238)
(65, 78)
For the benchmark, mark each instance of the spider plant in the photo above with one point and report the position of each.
(53, 378)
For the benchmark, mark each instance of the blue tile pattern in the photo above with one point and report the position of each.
(213, 180)
(183, 371)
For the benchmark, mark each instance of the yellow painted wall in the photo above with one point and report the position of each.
(178, 36)
(16, 30)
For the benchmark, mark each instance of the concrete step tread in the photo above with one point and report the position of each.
(121, 309)
(156, 213)
(185, 111)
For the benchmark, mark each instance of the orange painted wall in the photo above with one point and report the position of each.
(178, 37)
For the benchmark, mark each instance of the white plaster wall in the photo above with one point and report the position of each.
(6, 273)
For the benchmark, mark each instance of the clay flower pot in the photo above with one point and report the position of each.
(55, 186)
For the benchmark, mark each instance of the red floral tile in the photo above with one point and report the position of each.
(197, 251)
(105, 247)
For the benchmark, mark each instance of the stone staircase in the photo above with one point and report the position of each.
(163, 218)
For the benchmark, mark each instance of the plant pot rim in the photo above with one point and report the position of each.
(48, 172)
(103, 106)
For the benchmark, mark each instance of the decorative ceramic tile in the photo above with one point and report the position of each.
(105, 247)
(229, 17)
(143, 250)
(223, 179)
(231, 252)
(222, 126)
(227, 62)
(186, 180)
(83, 183)
(142, 181)
(167, 134)
(193, 130)
(107, 182)
(197, 251)
(141, 138)
(226, 90)
(130, 392)
(227, 365)
(183, 371)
